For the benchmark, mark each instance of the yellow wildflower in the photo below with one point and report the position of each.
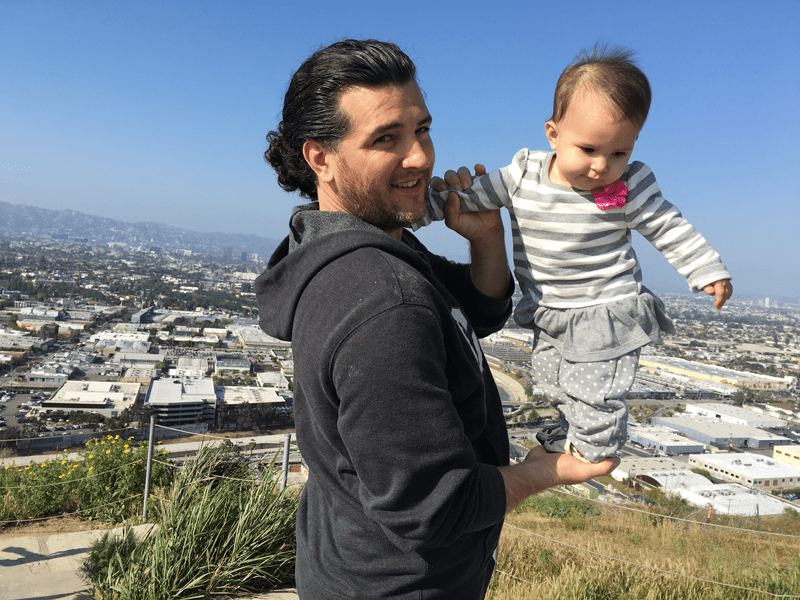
(91, 456)
(108, 451)
(60, 476)
(90, 468)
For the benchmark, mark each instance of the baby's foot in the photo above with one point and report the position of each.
(554, 439)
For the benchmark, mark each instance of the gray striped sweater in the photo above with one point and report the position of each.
(567, 253)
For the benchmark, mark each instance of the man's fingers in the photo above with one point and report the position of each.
(453, 179)
(462, 179)
(438, 184)
(465, 178)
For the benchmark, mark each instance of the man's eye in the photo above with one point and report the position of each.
(383, 139)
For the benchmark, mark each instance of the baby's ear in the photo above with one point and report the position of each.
(551, 131)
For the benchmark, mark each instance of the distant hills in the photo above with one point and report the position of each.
(21, 220)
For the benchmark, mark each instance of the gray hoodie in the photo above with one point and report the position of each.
(397, 414)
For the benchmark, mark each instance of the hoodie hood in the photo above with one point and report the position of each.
(316, 239)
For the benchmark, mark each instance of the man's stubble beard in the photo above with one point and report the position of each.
(371, 205)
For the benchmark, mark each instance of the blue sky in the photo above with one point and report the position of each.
(158, 111)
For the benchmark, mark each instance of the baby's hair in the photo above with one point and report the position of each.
(610, 71)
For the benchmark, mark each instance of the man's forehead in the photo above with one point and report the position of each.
(383, 107)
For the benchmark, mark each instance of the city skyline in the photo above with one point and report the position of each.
(160, 112)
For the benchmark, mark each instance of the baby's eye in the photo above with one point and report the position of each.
(588, 150)
(620, 154)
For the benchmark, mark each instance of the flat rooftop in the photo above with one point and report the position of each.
(755, 465)
(743, 415)
(717, 429)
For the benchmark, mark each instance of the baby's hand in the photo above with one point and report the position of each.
(722, 289)
(461, 180)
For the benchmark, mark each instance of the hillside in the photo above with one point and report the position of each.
(590, 550)
(20, 220)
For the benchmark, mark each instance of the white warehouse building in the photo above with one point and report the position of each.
(735, 414)
(733, 499)
(751, 470)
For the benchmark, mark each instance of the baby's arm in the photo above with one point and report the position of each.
(678, 241)
(483, 193)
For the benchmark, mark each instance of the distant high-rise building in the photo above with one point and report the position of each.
(227, 253)
(766, 302)
(244, 256)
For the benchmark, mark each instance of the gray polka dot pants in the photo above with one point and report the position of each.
(590, 397)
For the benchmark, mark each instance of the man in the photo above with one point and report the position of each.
(397, 413)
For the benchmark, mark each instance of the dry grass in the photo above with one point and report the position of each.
(573, 558)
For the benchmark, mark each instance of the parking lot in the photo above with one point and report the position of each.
(11, 415)
(9, 411)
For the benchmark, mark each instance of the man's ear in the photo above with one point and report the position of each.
(551, 131)
(319, 158)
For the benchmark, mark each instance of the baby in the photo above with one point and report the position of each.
(572, 212)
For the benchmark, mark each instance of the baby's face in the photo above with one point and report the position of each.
(592, 143)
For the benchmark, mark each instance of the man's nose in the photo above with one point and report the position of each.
(419, 155)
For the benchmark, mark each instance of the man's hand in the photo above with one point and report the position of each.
(482, 229)
(542, 470)
(722, 289)
(476, 227)
(461, 180)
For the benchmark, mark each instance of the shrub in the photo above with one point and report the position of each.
(104, 550)
(550, 505)
(234, 532)
(107, 483)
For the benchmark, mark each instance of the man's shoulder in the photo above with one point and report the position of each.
(360, 285)
(370, 271)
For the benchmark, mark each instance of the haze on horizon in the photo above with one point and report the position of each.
(159, 112)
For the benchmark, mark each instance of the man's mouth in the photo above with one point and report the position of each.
(407, 184)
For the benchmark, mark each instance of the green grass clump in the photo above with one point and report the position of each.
(222, 532)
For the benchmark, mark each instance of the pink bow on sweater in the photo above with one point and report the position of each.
(611, 196)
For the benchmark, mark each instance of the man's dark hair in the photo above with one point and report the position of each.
(311, 104)
(613, 73)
